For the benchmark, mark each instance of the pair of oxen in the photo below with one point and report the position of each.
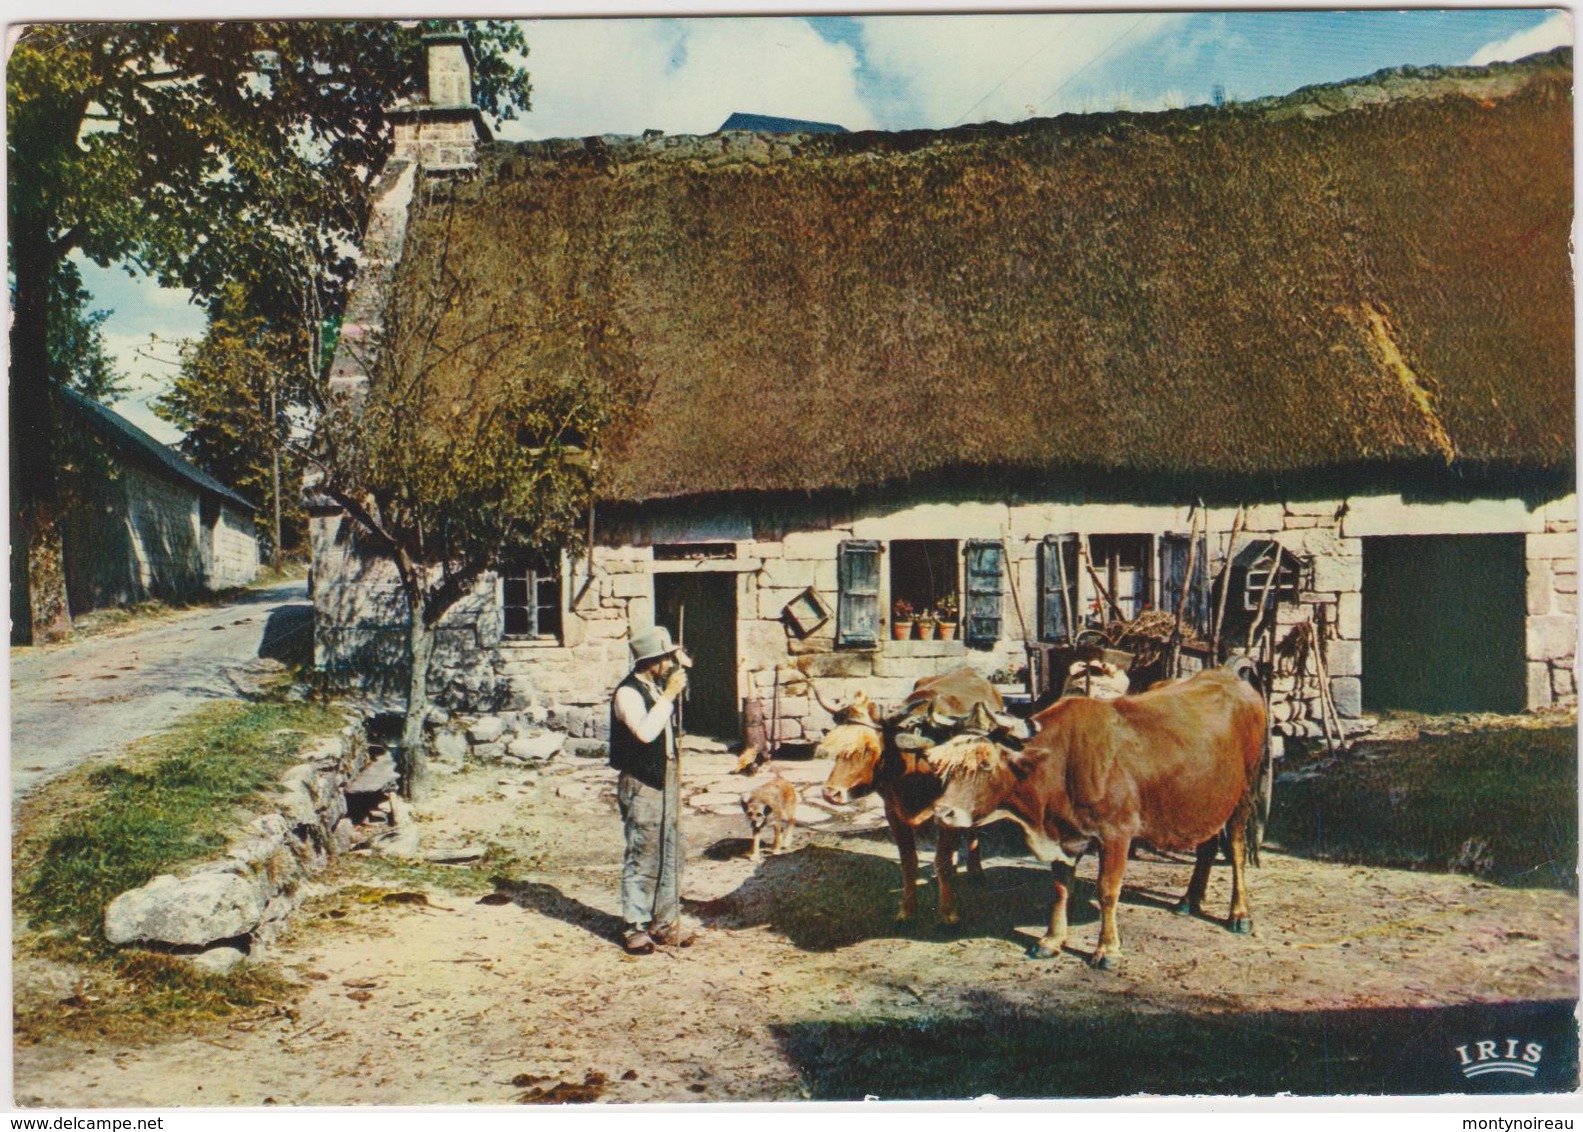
(1173, 767)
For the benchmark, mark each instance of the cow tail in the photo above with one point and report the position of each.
(1248, 812)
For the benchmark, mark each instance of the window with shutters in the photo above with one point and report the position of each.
(923, 574)
(1177, 590)
(857, 609)
(981, 612)
(1058, 610)
(1124, 564)
(530, 598)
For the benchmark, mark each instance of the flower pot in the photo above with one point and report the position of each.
(901, 630)
(947, 630)
(925, 630)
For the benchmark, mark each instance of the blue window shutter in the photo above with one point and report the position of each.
(1057, 571)
(982, 613)
(857, 616)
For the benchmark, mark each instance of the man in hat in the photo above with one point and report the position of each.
(643, 749)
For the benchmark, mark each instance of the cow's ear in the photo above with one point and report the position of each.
(1020, 766)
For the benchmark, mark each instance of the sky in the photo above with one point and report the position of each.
(891, 72)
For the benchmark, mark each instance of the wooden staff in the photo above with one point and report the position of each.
(1068, 600)
(1225, 586)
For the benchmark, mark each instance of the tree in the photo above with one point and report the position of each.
(197, 153)
(475, 436)
(233, 400)
(77, 356)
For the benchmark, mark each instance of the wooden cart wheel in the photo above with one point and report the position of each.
(1263, 797)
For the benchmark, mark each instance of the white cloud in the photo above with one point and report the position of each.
(683, 76)
(1553, 32)
(147, 367)
(938, 72)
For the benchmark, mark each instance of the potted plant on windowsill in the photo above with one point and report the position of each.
(902, 617)
(927, 625)
(945, 617)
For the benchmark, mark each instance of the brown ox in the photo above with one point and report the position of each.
(889, 756)
(1170, 766)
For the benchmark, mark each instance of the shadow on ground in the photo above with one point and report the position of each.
(551, 901)
(1014, 1051)
(288, 635)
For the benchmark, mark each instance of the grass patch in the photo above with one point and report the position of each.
(1499, 804)
(175, 798)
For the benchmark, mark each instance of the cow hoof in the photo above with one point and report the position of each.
(948, 928)
(1104, 963)
(1183, 908)
(1242, 925)
(1039, 951)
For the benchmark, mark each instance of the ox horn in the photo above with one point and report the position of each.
(835, 709)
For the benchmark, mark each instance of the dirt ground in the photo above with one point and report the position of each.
(802, 986)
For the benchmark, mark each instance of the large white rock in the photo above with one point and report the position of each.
(189, 912)
(487, 730)
(450, 747)
(537, 748)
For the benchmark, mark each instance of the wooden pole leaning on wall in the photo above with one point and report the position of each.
(1173, 654)
(1224, 582)
(1327, 704)
(1093, 576)
(1022, 622)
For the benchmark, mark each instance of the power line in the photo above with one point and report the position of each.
(1014, 72)
(1136, 24)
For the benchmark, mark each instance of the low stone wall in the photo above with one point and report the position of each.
(221, 911)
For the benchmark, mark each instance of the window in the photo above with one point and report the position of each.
(1058, 568)
(1175, 550)
(857, 614)
(923, 573)
(530, 596)
(982, 611)
(1122, 563)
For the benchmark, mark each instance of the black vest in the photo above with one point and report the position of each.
(643, 761)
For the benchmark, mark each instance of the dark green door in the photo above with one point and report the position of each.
(700, 610)
(1443, 623)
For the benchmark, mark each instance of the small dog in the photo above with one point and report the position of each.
(772, 804)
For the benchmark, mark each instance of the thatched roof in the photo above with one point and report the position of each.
(1369, 274)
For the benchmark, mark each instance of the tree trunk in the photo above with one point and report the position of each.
(34, 461)
(414, 744)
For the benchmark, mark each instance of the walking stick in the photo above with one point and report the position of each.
(681, 704)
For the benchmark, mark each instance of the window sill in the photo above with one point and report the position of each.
(925, 648)
(531, 642)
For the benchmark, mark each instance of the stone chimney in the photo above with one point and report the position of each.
(441, 131)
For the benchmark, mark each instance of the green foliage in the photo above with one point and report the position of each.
(233, 399)
(77, 355)
(203, 152)
(1499, 804)
(477, 430)
(176, 800)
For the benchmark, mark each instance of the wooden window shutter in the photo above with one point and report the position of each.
(1175, 549)
(982, 611)
(857, 616)
(1058, 588)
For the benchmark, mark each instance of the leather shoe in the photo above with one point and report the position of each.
(673, 935)
(638, 942)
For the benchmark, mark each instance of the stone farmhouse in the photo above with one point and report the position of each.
(1020, 373)
(149, 524)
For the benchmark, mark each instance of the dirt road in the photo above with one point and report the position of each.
(91, 698)
(1356, 980)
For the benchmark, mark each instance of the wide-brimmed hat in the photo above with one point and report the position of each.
(647, 644)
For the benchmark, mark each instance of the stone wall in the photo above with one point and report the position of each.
(136, 537)
(222, 910)
(233, 554)
(570, 680)
(1553, 609)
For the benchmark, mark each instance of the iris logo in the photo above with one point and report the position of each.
(1500, 1057)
